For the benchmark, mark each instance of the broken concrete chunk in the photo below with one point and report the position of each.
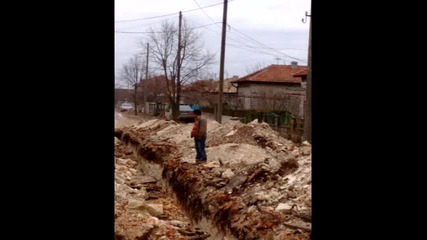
(262, 196)
(178, 223)
(305, 151)
(155, 209)
(273, 164)
(237, 180)
(227, 173)
(292, 194)
(133, 203)
(142, 206)
(283, 206)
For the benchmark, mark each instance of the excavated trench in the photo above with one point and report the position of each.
(216, 205)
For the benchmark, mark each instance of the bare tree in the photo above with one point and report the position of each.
(118, 83)
(163, 41)
(201, 92)
(156, 88)
(274, 102)
(255, 68)
(132, 74)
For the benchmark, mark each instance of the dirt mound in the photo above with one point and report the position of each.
(256, 184)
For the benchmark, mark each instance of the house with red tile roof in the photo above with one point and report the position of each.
(156, 89)
(273, 88)
(157, 97)
(121, 95)
(205, 92)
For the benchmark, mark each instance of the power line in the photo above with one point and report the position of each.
(205, 12)
(131, 32)
(139, 19)
(256, 50)
(262, 44)
(259, 48)
(149, 24)
(244, 44)
(174, 31)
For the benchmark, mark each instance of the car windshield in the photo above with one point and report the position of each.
(185, 108)
(127, 105)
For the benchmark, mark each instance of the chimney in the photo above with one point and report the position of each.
(294, 64)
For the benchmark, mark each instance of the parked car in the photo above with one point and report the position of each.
(126, 106)
(185, 113)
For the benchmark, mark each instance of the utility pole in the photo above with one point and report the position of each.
(145, 83)
(307, 109)
(178, 72)
(221, 66)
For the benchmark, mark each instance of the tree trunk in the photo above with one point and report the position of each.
(135, 99)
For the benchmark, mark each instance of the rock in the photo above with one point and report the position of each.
(292, 194)
(145, 179)
(211, 164)
(305, 150)
(151, 208)
(237, 180)
(217, 173)
(262, 196)
(295, 153)
(155, 209)
(178, 223)
(133, 204)
(283, 206)
(274, 194)
(230, 133)
(227, 173)
(122, 169)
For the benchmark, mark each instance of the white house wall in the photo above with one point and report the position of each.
(251, 94)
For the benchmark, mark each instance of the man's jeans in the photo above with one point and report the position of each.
(200, 149)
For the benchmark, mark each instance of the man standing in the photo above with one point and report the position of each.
(199, 133)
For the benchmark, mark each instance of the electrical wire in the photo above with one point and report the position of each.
(160, 32)
(147, 18)
(244, 43)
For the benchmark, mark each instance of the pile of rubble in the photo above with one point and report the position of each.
(256, 184)
(143, 210)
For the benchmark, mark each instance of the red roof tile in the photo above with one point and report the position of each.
(201, 86)
(274, 73)
(210, 86)
(300, 73)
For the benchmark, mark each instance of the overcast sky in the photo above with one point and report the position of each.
(259, 32)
